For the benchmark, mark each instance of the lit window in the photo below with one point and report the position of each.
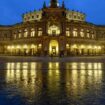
(95, 47)
(88, 34)
(20, 34)
(40, 29)
(14, 35)
(54, 30)
(99, 47)
(93, 35)
(32, 32)
(82, 33)
(82, 46)
(74, 46)
(25, 46)
(67, 46)
(33, 46)
(40, 45)
(67, 33)
(75, 34)
(8, 47)
(89, 47)
(12, 47)
(39, 33)
(18, 47)
(25, 33)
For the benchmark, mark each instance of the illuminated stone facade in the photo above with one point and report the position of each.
(53, 31)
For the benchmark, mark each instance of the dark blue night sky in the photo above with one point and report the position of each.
(11, 10)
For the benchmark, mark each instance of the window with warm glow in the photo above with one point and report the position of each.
(53, 30)
(32, 32)
(67, 32)
(88, 34)
(40, 45)
(67, 46)
(39, 33)
(25, 33)
(20, 34)
(82, 33)
(14, 35)
(93, 35)
(75, 33)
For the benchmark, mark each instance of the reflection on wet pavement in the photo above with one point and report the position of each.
(52, 83)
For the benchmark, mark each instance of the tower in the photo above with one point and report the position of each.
(53, 3)
(44, 4)
(63, 4)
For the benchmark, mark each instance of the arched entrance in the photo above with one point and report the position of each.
(54, 48)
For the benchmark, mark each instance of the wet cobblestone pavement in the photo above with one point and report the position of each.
(52, 83)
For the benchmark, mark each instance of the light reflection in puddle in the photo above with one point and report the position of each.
(66, 80)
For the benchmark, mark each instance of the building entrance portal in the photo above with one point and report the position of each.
(53, 48)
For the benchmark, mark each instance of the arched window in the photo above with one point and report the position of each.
(15, 35)
(40, 46)
(93, 34)
(67, 46)
(32, 32)
(88, 34)
(20, 34)
(40, 32)
(54, 30)
(25, 33)
(67, 32)
(82, 33)
(75, 34)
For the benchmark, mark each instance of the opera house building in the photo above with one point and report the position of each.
(53, 31)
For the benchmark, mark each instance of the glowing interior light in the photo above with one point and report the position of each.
(18, 47)
(8, 47)
(82, 46)
(40, 45)
(95, 47)
(32, 46)
(89, 47)
(12, 47)
(53, 30)
(74, 46)
(53, 47)
(25, 46)
(99, 47)
(67, 45)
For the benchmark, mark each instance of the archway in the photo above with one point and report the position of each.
(54, 48)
